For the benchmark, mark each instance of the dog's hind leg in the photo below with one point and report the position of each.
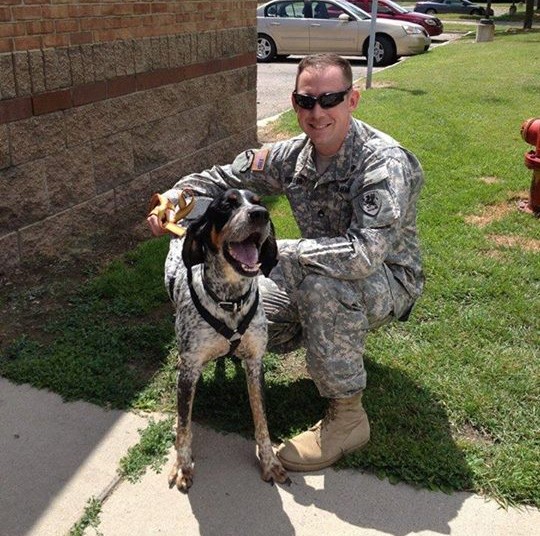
(271, 467)
(182, 471)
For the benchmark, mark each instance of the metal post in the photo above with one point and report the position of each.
(371, 42)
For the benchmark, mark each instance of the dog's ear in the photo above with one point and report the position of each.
(269, 252)
(194, 248)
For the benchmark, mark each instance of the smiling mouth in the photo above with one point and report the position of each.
(320, 127)
(244, 256)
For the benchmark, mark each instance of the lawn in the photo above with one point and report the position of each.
(454, 393)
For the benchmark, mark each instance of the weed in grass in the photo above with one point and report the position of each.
(90, 518)
(150, 451)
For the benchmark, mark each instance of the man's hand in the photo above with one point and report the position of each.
(155, 225)
(165, 217)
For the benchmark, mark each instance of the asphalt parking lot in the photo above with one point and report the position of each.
(275, 80)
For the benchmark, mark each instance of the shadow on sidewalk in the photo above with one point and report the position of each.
(414, 450)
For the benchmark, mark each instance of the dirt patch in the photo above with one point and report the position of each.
(270, 133)
(506, 241)
(490, 180)
(480, 437)
(32, 295)
(494, 213)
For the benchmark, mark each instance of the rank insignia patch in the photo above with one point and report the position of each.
(260, 160)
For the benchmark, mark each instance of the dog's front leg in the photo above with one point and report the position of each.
(271, 467)
(182, 471)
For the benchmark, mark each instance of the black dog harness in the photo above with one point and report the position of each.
(233, 336)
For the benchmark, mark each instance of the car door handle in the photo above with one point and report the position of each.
(316, 24)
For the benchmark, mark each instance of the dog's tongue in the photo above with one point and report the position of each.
(244, 252)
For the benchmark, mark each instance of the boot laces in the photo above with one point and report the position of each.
(331, 413)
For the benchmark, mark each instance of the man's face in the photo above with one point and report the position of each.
(327, 128)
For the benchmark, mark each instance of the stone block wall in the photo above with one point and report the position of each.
(104, 103)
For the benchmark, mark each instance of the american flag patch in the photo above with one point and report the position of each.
(260, 160)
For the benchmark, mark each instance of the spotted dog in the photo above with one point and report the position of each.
(211, 278)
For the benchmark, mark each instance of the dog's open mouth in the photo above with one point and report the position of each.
(244, 256)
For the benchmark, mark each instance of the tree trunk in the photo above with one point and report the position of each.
(529, 14)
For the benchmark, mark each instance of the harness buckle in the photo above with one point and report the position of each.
(231, 307)
(236, 337)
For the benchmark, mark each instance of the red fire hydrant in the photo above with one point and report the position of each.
(530, 132)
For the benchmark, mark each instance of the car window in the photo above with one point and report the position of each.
(328, 10)
(285, 9)
(382, 9)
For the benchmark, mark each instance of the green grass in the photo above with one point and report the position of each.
(454, 393)
(150, 451)
(90, 518)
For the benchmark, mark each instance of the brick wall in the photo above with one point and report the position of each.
(103, 103)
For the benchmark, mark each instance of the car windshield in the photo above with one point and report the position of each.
(355, 10)
(397, 7)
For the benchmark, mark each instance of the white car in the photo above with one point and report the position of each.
(287, 27)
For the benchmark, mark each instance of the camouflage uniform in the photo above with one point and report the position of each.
(357, 265)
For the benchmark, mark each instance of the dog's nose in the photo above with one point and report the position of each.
(259, 215)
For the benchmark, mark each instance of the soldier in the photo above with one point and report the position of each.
(353, 192)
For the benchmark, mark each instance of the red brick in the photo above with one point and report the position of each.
(6, 45)
(11, 29)
(27, 43)
(81, 38)
(69, 25)
(56, 40)
(39, 27)
(15, 109)
(121, 85)
(5, 14)
(56, 12)
(88, 93)
(26, 12)
(141, 9)
(52, 101)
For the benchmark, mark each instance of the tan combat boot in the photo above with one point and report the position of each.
(344, 428)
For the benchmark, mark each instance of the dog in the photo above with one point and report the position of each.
(213, 285)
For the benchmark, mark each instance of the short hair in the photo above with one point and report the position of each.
(321, 61)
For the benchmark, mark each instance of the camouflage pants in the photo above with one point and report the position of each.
(329, 317)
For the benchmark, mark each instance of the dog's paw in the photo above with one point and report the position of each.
(181, 478)
(274, 472)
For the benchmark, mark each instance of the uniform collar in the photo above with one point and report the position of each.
(305, 164)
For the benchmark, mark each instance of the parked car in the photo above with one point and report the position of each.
(387, 9)
(287, 27)
(465, 7)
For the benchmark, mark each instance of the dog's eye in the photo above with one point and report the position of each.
(231, 201)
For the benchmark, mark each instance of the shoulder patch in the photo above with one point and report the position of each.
(259, 160)
(244, 160)
(371, 202)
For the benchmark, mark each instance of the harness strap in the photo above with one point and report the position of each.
(234, 336)
(231, 306)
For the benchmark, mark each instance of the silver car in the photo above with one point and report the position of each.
(287, 27)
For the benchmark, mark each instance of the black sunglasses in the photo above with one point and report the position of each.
(327, 100)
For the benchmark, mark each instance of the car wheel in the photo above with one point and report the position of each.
(384, 51)
(431, 11)
(266, 48)
(476, 12)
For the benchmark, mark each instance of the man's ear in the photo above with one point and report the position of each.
(269, 252)
(354, 99)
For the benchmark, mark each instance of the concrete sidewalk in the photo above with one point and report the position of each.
(54, 456)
